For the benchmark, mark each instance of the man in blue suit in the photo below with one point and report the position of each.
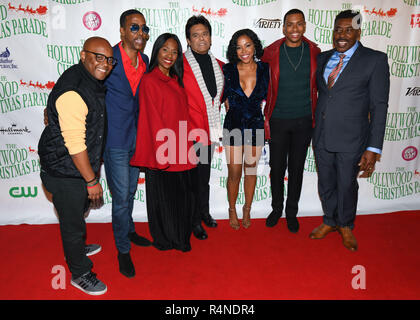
(350, 117)
(122, 105)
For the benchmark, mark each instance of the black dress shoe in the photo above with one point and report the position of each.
(126, 265)
(199, 232)
(292, 224)
(209, 221)
(273, 218)
(139, 240)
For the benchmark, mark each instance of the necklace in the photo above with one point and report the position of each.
(288, 58)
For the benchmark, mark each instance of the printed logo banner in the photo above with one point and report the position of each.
(40, 39)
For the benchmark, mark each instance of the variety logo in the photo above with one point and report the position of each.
(210, 12)
(13, 129)
(414, 91)
(41, 10)
(415, 20)
(49, 85)
(267, 23)
(19, 192)
(409, 153)
(412, 2)
(5, 62)
(92, 20)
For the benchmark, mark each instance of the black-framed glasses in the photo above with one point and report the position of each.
(101, 57)
(134, 28)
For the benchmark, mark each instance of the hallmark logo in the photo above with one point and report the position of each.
(5, 62)
(414, 91)
(16, 192)
(14, 130)
(267, 23)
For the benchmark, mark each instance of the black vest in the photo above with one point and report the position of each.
(53, 154)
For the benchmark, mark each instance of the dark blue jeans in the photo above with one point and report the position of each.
(122, 182)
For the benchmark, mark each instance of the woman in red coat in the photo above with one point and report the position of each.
(163, 148)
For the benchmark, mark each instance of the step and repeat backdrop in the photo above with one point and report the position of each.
(39, 40)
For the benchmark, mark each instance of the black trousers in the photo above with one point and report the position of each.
(337, 184)
(205, 155)
(289, 143)
(70, 199)
(171, 201)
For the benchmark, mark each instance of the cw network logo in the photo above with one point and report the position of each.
(25, 192)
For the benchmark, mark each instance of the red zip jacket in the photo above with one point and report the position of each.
(272, 56)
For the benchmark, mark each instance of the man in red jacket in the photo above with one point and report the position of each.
(203, 79)
(289, 111)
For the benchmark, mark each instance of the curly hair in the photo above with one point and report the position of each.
(231, 53)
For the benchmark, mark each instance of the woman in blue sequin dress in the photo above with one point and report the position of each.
(246, 84)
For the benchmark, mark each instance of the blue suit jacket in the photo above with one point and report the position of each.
(353, 112)
(121, 106)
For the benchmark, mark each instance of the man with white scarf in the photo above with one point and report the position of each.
(203, 79)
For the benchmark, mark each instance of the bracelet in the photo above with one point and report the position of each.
(92, 185)
(95, 182)
(91, 180)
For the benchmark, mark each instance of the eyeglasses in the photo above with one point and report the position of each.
(134, 28)
(100, 58)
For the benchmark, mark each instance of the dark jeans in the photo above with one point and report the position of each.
(122, 182)
(70, 199)
(203, 189)
(289, 143)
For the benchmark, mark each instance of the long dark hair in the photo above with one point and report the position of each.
(178, 68)
(231, 53)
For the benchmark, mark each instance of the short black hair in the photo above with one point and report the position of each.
(196, 20)
(293, 11)
(178, 68)
(348, 14)
(231, 53)
(127, 13)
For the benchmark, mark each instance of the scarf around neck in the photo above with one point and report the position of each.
(212, 105)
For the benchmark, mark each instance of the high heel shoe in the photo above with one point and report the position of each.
(233, 219)
(246, 216)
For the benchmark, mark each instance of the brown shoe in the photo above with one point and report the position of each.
(349, 241)
(321, 231)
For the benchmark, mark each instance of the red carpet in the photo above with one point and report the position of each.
(254, 264)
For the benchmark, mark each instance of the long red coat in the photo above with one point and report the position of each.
(163, 116)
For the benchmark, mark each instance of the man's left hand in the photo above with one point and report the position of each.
(367, 163)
